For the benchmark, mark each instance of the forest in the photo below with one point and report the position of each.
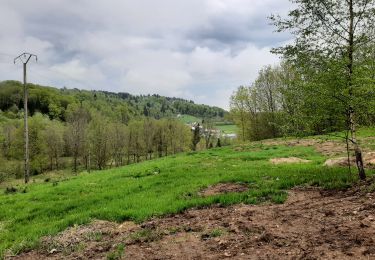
(83, 130)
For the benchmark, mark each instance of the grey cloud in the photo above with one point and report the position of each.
(199, 49)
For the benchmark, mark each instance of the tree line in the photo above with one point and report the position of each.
(89, 140)
(54, 103)
(281, 102)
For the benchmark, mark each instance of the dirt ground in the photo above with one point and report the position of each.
(329, 148)
(312, 224)
(288, 160)
(224, 188)
(333, 149)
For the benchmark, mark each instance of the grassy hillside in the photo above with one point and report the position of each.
(154, 188)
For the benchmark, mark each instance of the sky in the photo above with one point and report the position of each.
(200, 50)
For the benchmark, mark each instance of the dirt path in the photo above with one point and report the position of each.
(310, 225)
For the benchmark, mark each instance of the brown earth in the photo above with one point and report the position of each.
(288, 160)
(223, 188)
(329, 148)
(312, 224)
(368, 160)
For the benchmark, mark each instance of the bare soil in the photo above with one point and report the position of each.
(368, 160)
(328, 148)
(223, 188)
(288, 160)
(312, 224)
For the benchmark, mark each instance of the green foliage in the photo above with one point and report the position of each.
(325, 78)
(301, 100)
(117, 253)
(121, 106)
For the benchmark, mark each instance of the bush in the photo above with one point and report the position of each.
(10, 169)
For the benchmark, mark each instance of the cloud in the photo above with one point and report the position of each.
(197, 49)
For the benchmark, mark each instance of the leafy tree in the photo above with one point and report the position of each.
(335, 31)
(99, 139)
(78, 119)
(53, 136)
(196, 137)
(238, 109)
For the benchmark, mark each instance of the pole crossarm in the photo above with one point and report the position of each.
(26, 56)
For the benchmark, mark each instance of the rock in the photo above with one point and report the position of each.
(54, 250)
(227, 254)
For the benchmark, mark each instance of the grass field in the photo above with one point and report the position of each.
(154, 188)
(187, 119)
(227, 129)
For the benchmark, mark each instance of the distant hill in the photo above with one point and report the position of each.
(54, 102)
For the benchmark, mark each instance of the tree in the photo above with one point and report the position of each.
(332, 29)
(208, 132)
(238, 109)
(118, 142)
(99, 138)
(218, 144)
(78, 119)
(8, 139)
(53, 136)
(196, 136)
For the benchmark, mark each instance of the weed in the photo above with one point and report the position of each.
(10, 190)
(216, 233)
(213, 233)
(94, 236)
(145, 235)
(118, 253)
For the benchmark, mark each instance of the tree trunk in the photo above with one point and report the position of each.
(357, 149)
(75, 164)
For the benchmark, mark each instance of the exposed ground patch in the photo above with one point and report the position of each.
(223, 188)
(368, 159)
(288, 160)
(312, 224)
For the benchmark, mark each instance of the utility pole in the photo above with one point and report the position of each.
(25, 58)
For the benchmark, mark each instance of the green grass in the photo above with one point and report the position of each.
(155, 188)
(227, 129)
(189, 119)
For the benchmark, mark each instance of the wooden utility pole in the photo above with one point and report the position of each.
(25, 58)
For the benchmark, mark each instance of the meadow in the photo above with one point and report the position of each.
(154, 188)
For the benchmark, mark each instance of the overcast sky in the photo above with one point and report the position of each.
(194, 49)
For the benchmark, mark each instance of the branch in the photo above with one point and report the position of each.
(331, 14)
(361, 14)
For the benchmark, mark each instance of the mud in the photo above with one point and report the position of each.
(312, 224)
